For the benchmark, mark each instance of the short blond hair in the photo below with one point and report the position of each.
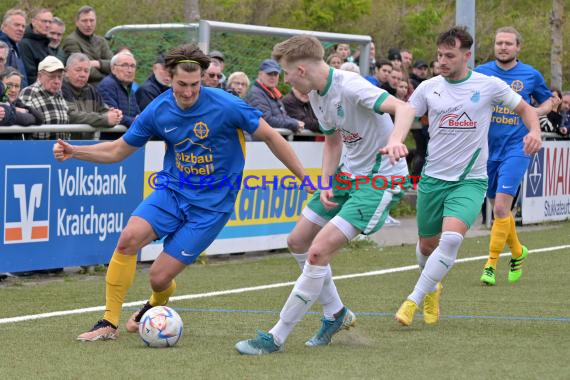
(237, 75)
(511, 30)
(299, 47)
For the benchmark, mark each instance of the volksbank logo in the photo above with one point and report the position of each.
(26, 203)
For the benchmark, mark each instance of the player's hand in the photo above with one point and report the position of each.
(532, 143)
(62, 151)
(326, 196)
(395, 151)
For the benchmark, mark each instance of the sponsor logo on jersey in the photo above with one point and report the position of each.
(517, 85)
(350, 137)
(457, 121)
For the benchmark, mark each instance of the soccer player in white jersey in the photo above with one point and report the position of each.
(459, 103)
(351, 111)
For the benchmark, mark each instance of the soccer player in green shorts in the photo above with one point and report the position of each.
(351, 112)
(459, 103)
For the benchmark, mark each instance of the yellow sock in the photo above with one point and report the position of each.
(513, 239)
(161, 298)
(499, 234)
(119, 279)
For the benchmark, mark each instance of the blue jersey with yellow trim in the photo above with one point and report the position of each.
(507, 128)
(205, 145)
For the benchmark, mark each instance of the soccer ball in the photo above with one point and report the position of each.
(160, 326)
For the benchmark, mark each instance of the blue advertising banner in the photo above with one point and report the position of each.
(60, 214)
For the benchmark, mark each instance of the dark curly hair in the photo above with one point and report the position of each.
(179, 57)
(459, 33)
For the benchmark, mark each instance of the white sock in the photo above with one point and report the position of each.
(421, 258)
(329, 297)
(437, 266)
(305, 292)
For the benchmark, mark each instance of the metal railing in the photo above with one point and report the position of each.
(53, 128)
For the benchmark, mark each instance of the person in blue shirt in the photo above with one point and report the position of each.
(507, 161)
(203, 129)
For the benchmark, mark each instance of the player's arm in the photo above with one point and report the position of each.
(104, 153)
(544, 108)
(404, 115)
(532, 141)
(280, 148)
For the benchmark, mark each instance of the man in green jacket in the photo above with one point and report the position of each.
(83, 40)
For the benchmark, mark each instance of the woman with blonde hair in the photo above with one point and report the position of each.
(238, 84)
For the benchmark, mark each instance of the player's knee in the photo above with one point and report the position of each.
(449, 243)
(317, 256)
(128, 242)
(501, 211)
(159, 280)
(427, 246)
(296, 244)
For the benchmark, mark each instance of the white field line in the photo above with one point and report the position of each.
(254, 288)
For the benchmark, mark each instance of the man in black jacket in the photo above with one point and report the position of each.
(156, 84)
(34, 47)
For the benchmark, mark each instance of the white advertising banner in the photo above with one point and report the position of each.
(264, 216)
(546, 185)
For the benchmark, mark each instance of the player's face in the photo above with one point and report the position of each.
(186, 87)
(296, 75)
(506, 47)
(453, 60)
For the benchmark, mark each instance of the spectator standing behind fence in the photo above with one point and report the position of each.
(407, 59)
(297, 106)
(34, 47)
(213, 75)
(565, 110)
(156, 84)
(116, 89)
(218, 56)
(238, 84)
(395, 57)
(12, 32)
(55, 34)
(45, 96)
(83, 40)
(419, 72)
(6, 113)
(382, 71)
(84, 101)
(4, 50)
(11, 79)
(265, 96)
(334, 60)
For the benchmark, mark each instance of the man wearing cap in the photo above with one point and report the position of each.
(419, 72)
(212, 75)
(395, 57)
(46, 97)
(265, 96)
(218, 56)
(156, 84)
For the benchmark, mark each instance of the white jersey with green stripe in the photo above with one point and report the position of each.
(350, 105)
(459, 117)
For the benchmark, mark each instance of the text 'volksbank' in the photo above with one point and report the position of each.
(87, 220)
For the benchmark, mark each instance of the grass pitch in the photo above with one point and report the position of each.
(508, 331)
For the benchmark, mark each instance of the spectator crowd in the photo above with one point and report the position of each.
(48, 79)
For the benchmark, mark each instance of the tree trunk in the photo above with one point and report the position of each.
(191, 10)
(556, 37)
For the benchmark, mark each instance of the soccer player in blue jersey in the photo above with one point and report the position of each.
(203, 130)
(507, 160)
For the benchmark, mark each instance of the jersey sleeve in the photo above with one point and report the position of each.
(503, 94)
(245, 116)
(541, 91)
(361, 92)
(418, 100)
(142, 128)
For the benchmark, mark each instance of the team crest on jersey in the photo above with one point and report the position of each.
(339, 110)
(201, 130)
(476, 97)
(517, 85)
(455, 121)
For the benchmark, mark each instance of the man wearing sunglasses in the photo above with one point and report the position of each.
(213, 75)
